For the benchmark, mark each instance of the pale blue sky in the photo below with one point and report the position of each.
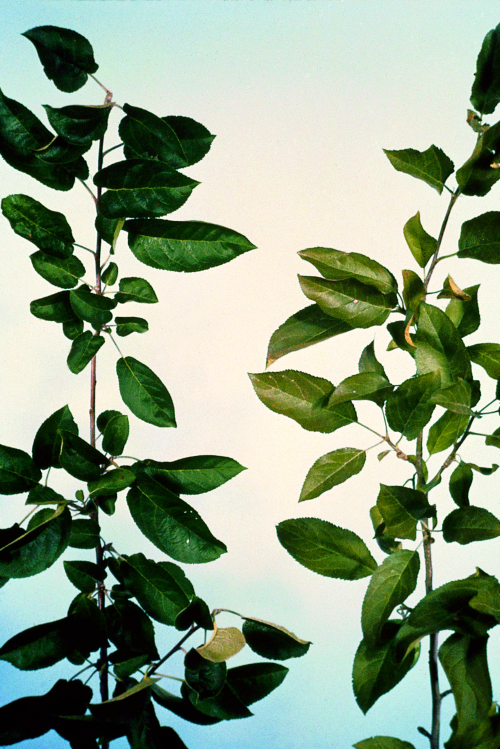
(303, 95)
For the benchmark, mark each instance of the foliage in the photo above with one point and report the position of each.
(109, 628)
(430, 413)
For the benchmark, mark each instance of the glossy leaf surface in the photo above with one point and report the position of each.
(439, 346)
(400, 508)
(84, 348)
(47, 442)
(18, 472)
(479, 238)
(156, 589)
(196, 474)
(270, 641)
(114, 427)
(62, 272)
(127, 325)
(48, 230)
(67, 57)
(144, 393)
(408, 409)
(77, 124)
(36, 549)
(136, 290)
(93, 308)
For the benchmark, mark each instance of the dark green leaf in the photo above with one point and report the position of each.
(391, 584)
(130, 629)
(45, 539)
(84, 348)
(338, 266)
(308, 326)
(368, 362)
(38, 647)
(456, 398)
(369, 386)
(196, 613)
(144, 393)
(400, 508)
(487, 355)
(332, 469)
(73, 328)
(184, 246)
(171, 524)
(421, 244)
(460, 483)
(142, 189)
(55, 307)
(182, 706)
(156, 589)
(85, 534)
(84, 575)
(304, 398)
(93, 308)
(48, 230)
(398, 331)
(359, 305)
(18, 472)
(485, 93)
(111, 482)
(493, 440)
(479, 238)
(109, 228)
(194, 137)
(383, 742)
(62, 272)
(67, 57)
(127, 325)
(114, 427)
(47, 442)
(468, 524)
(432, 166)
(254, 681)
(377, 669)
(79, 458)
(110, 275)
(194, 475)
(465, 315)
(446, 431)
(325, 548)
(44, 495)
(204, 677)
(477, 176)
(408, 408)
(77, 124)
(274, 642)
(136, 290)
(225, 706)
(413, 291)
(440, 347)
(146, 136)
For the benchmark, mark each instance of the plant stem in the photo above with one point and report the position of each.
(433, 645)
(193, 628)
(434, 260)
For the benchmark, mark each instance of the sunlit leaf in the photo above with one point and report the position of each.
(432, 166)
(337, 266)
(332, 469)
(136, 290)
(196, 474)
(421, 244)
(223, 644)
(355, 303)
(440, 347)
(408, 408)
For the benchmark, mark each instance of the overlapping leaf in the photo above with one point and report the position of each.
(337, 266)
(440, 347)
(351, 301)
(400, 508)
(67, 57)
(18, 472)
(48, 230)
(37, 548)
(408, 408)
(196, 474)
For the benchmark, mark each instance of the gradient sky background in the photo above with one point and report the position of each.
(303, 95)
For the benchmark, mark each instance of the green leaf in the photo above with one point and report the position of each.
(110, 274)
(146, 136)
(223, 644)
(109, 229)
(194, 137)
(460, 483)
(127, 325)
(440, 347)
(485, 93)
(377, 669)
(432, 166)
(326, 549)
(130, 629)
(332, 469)
(73, 328)
(456, 398)
(225, 706)
(111, 482)
(398, 331)
(465, 315)
(467, 524)
(401, 507)
(18, 472)
(38, 647)
(155, 588)
(272, 641)
(114, 427)
(182, 706)
(479, 238)
(48, 230)
(254, 681)
(422, 245)
(62, 272)
(77, 124)
(93, 308)
(136, 290)
(67, 57)
(85, 534)
(305, 328)
(184, 246)
(196, 474)
(487, 355)
(196, 613)
(47, 443)
(79, 458)
(493, 440)
(368, 362)
(338, 266)
(477, 176)
(413, 291)
(45, 539)
(369, 386)
(144, 393)
(171, 524)
(359, 305)
(44, 495)
(390, 585)
(304, 398)
(383, 742)
(84, 575)
(446, 431)
(205, 677)
(84, 348)
(408, 408)
(142, 189)
(55, 307)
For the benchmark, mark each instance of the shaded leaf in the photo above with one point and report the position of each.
(77, 124)
(465, 315)
(363, 386)
(110, 274)
(182, 707)
(325, 548)
(194, 137)
(147, 136)
(383, 742)
(432, 166)
(206, 677)
(84, 575)
(485, 93)
(422, 245)
(337, 266)
(48, 230)
(79, 458)
(55, 307)
(254, 681)
(93, 308)
(487, 355)
(196, 474)
(401, 507)
(144, 393)
(413, 291)
(359, 305)
(62, 272)
(225, 706)
(272, 641)
(67, 57)
(440, 347)
(477, 176)
(331, 470)
(85, 346)
(467, 524)
(111, 482)
(456, 398)
(460, 483)
(44, 495)
(38, 647)
(196, 613)
(368, 362)
(18, 472)
(304, 398)
(47, 443)
(85, 534)
(130, 629)
(114, 427)
(408, 408)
